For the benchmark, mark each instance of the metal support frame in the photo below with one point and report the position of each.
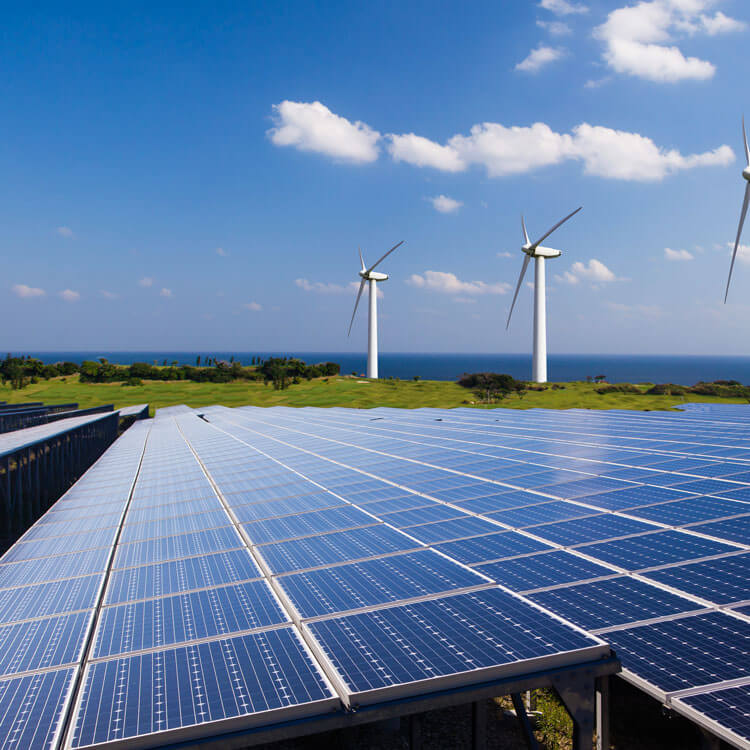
(479, 725)
(578, 695)
(523, 720)
(602, 713)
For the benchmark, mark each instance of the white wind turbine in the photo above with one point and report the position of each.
(538, 253)
(373, 276)
(746, 175)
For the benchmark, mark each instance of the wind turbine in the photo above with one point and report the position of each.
(373, 276)
(746, 175)
(539, 254)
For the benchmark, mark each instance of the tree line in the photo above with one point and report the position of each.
(280, 371)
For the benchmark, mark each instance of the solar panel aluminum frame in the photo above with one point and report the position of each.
(213, 729)
(474, 677)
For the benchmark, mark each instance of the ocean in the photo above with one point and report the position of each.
(630, 368)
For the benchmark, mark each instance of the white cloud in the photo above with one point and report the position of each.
(311, 126)
(639, 39)
(670, 254)
(422, 152)
(68, 295)
(449, 283)
(743, 252)
(505, 255)
(65, 232)
(165, 292)
(539, 58)
(222, 252)
(445, 205)
(146, 281)
(27, 292)
(595, 272)
(108, 295)
(318, 287)
(563, 7)
(254, 306)
(555, 28)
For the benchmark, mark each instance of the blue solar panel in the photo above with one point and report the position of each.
(41, 644)
(389, 579)
(31, 709)
(286, 506)
(53, 568)
(186, 617)
(60, 545)
(171, 547)
(180, 524)
(541, 570)
(458, 528)
(590, 529)
(46, 527)
(543, 513)
(633, 497)
(307, 524)
(429, 514)
(245, 677)
(503, 501)
(721, 581)
(677, 654)
(692, 510)
(729, 708)
(734, 530)
(614, 601)
(52, 598)
(338, 546)
(491, 547)
(652, 550)
(438, 638)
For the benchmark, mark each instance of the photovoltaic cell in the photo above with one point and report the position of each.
(491, 547)
(730, 708)
(46, 599)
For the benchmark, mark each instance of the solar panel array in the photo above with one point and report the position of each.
(633, 526)
(272, 563)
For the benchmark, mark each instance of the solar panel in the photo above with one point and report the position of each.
(728, 709)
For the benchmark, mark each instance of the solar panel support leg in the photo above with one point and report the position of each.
(602, 713)
(415, 732)
(479, 725)
(709, 741)
(523, 720)
(578, 695)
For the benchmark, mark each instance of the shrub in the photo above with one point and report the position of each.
(666, 389)
(619, 388)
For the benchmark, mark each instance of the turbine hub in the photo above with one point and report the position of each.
(746, 172)
(373, 276)
(541, 252)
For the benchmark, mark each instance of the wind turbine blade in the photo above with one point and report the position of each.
(361, 259)
(384, 257)
(744, 136)
(737, 241)
(559, 223)
(525, 233)
(359, 294)
(518, 286)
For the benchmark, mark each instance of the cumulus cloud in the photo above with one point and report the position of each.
(594, 271)
(311, 126)
(165, 292)
(639, 39)
(604, 152)
(107, 294)
(68, 295)
(743, 252)
(449, 283)
(318, 287)
(222, 252)
(670, 254)
(563, 7)
(555, 28)
(505, 255)
(65, 232)
(422, 152)
(540, 57)
(254, 306)
(27, 292)
(445, 205)
(146, 281)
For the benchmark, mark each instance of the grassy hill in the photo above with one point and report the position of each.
(334, 391)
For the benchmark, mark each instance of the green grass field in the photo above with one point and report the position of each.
(335, 391)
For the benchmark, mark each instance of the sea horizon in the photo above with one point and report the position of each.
(684, 369)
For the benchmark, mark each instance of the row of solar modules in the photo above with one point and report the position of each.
(199, 632)
(653, 562)
(50, 582)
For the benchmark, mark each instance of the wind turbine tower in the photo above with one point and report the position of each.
(746, 175)
(539, 253)
(373, 277)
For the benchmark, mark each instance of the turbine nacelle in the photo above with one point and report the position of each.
(373, 276)
(541, 252)
(746, 173)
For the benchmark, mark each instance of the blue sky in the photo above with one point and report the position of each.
(200, 177)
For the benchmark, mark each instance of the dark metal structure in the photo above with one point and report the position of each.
(38, 464)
